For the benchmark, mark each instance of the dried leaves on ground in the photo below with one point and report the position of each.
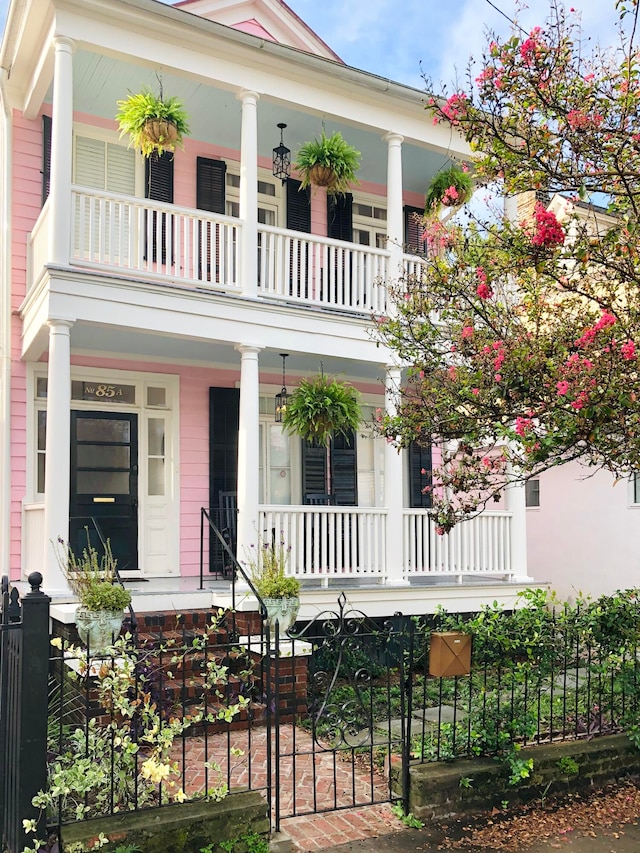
(580, 815)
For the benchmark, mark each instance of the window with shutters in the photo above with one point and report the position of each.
(160, 225)
(275, 464)
(414, 231)
(110, 168)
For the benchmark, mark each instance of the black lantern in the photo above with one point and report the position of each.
(282, 398)
(281, 158)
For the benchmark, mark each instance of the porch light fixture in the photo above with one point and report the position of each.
(281, 158)
(282, 398)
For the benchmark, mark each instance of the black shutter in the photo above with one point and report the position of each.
(210, 196)
(298, 207)
(344, 470)
(159, 187)
(314, 469)
(224, 420)
(340, 217)
(46, 157)
(210, 184)
(413, 230)
(298, 219)
(419, 461)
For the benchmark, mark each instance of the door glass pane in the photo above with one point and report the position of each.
(279, 441)
(156, 396)
(280, 466)
(103, 483)
(156, 436)
(41, 459)
(103, 429)
(101, 456)
(42, 430)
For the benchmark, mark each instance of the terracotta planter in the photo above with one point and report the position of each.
(322, 176)
(161, 132)
(98, 628)
(284, 610)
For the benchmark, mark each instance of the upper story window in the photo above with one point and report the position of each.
(104, 165)
(270, 201)
(369, 224)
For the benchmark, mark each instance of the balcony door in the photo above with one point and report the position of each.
(104, 484)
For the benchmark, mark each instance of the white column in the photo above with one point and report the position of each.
(249, 192)
(61, 152)
(395, 215)
(248, 450)
(57, 459)
(514, 498)
(393, 489)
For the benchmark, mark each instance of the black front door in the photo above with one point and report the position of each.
(104, 484)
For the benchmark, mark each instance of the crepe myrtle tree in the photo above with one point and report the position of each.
(523, 332)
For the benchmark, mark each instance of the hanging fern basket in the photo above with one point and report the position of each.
(322, 407)
(322, 176)
(161, 132)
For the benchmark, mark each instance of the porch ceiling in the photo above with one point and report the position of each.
(112, 342)
(100, 81)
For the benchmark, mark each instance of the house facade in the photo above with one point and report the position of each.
(147, 304)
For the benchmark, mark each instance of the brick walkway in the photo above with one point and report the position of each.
(308, 782)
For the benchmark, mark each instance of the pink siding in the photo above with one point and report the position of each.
(254, 28)
(26, 204)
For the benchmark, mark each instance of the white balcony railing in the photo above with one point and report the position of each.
(481, 545)
(319, 270)
(146, 237)
(143, 238)
(327, 541)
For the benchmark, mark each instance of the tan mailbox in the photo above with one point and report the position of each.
(450, 654)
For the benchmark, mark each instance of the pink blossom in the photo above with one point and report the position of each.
(498, 377)
(562, 387)
(452, 372)
(484, 291)
(628, 350)
(548, 231)
(530, 48)
(522, 425)
(455, 107)
(475, 391)
(467, 332)
(450, 196)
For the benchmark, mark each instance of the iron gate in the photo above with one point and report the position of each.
(24, 661)
(343, 740)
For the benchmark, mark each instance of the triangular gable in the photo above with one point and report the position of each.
(269, 19)
(254, 28)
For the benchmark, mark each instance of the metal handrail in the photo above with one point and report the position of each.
(236, 567)
(133, 619)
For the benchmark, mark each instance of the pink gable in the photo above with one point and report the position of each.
(254, 28)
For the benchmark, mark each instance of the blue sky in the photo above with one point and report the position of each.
(392, 37)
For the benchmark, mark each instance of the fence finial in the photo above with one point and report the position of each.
(35, 582)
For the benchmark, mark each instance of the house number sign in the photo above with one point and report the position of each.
(106, 392)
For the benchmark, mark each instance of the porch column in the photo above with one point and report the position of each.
(395, 217)
(57, 452)
(393, 488)
(249, 192)
(61, 152)
(248, 451)
(514, 498)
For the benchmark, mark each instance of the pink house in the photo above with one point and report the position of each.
(146, 305)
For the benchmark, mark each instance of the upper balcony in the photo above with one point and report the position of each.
(245, 234)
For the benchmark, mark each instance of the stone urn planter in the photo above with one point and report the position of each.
(282, 610)
(98, 628)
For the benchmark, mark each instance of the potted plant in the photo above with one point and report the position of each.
(328, 162)
(449, 188)
(280, 592)
(322, 407)
(153, 123)
(102, 600)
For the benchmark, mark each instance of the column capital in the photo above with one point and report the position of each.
(246, 349)
(60, 323)
(64, 43)
(393, 138)
(248, 96)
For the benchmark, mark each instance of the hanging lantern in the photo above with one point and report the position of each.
(281, 158)
(282, 397)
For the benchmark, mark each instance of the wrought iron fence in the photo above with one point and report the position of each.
(181, 715)
(567, 682)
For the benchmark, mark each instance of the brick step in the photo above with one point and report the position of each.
(170, 620)
(190, 689)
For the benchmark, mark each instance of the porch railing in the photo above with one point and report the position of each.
(329, 541)
(141, 236)
(479, 545)
(319, 270)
